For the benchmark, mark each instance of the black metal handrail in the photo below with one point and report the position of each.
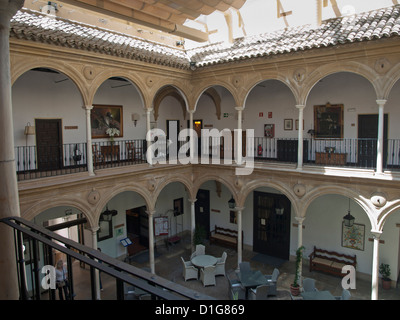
(26, 232)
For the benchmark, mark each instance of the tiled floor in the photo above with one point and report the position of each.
(169, 266)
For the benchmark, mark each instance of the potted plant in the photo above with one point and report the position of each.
(295, 286)
(199, 235)
(384, 270)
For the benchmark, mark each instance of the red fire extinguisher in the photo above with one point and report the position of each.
(259, 150)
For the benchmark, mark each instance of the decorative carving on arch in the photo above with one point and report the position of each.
(168, 91)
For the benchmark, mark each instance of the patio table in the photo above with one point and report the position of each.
(203, 260)
(251, 279)
(317, 295)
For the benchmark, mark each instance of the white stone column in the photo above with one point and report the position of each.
(9, 199)
(192, 221)
(300, 138)
(239, 141)
(375, 265)
(192, 144)
(148, 140)
(381, 124)
(89, 150)
(96, 272)
(151, 241)
(239, 211)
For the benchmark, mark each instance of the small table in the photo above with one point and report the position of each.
(110, 151)
(251, 279)
(204, 260)
(317, 295)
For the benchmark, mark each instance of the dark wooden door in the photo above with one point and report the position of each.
(367, 143)
(202, 210)
(49, 144)
(271, 233)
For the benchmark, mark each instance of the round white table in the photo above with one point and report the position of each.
(204, 260)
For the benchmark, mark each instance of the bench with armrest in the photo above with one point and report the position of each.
(224, 236)
(330, 261)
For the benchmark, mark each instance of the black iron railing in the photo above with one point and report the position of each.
(33, 162)
(35, 246)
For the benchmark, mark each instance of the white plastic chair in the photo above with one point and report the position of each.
(207, 276)
(189, 270)
(220, 266)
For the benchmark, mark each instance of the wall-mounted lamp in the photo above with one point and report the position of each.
(29, 130)
(108, 214)
(232, 203)
(348, 219)
(135, 118)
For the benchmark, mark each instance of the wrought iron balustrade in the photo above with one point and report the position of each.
(34, 247)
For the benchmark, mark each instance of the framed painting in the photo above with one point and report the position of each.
(105, 230)
(269, 130)
(288, 124)
(353, 237)
(328, 121)
(103, 117)
(178, 207)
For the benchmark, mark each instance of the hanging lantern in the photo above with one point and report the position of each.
(348, 219)
(231, 203)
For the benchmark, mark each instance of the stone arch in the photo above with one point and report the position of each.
(116, 190)
(279, 78)
(363, 202)
(390, 78)
(74, 202)
(352, 67)
(107, 74)
(211, 92)
(212, 177)
(170, 179)
(19, 69)
(386, 212)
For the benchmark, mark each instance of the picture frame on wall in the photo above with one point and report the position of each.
(269, 130)
(353, 237)
(178, 207)
(328, 121)
(288, 124)
(103, 117)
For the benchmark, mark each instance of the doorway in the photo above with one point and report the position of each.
(49, 144)
(367, 143)
(197, 126)
(202, 211)
(137, 228)
(271, 229)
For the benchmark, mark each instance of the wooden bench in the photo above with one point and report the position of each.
(225, 237)
(330, 261)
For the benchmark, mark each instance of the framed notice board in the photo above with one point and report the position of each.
(161, 226)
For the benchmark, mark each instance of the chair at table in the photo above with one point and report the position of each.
(345, 295)
(207, 276)
(260, 293)
(235, 290)
(200, 250)
(132, 153)
(272, 281)
(220, 266)
(244, 266)
(309, 285)
(189, 270)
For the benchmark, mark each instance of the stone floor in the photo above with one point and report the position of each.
(168, 265)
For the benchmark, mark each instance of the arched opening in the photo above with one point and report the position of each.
(118, 125)
(49, 124)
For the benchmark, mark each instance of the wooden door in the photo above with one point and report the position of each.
(202, 210)
(271, 229)
(367, 143)
(49, 144)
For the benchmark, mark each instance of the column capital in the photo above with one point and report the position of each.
(94, 229)
(300, 220)
(300, 106)
(148, 110)
(191, 111)
(381, 102)
(150, 213)
(239, 209)
(89, 107)
(376, 234)
(239, 108)
(192, 201)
